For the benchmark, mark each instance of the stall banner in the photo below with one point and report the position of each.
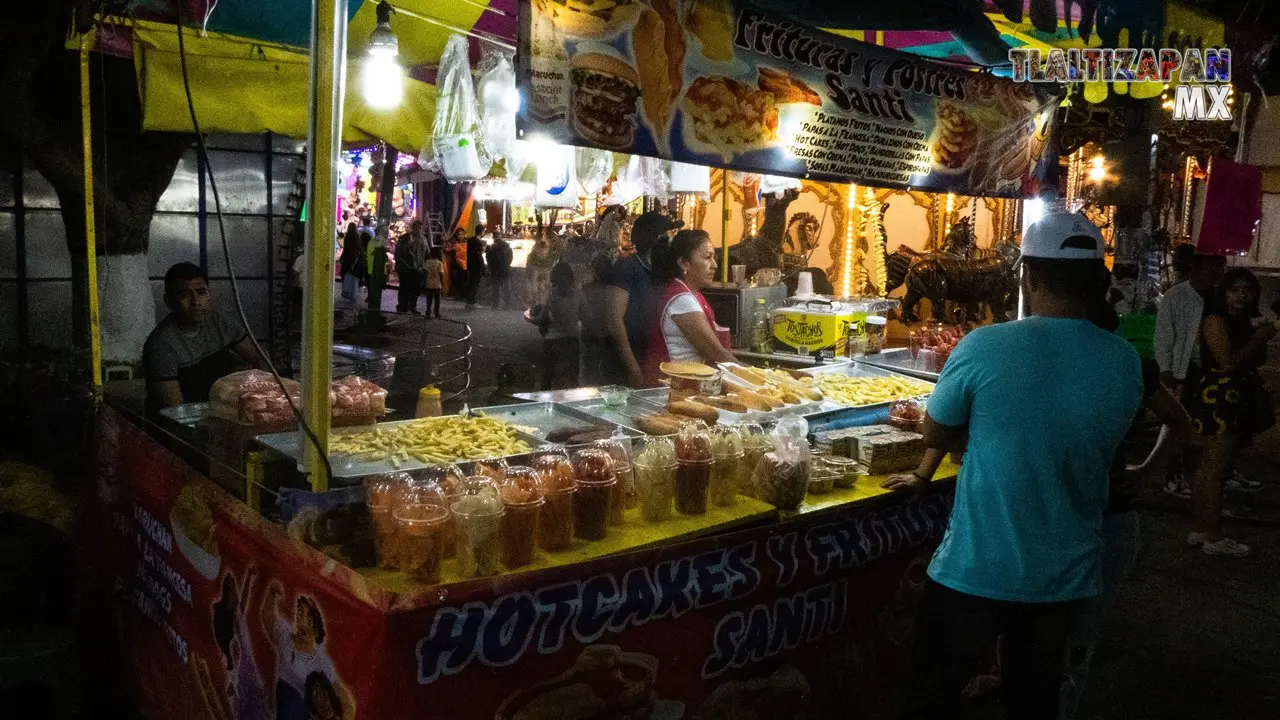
(226, 618)
(223, 616)
(727, 84)
(806, 619)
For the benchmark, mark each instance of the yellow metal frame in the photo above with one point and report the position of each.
(90, 231)
(253, 477)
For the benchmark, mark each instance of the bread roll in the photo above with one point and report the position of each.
(722, 403)
(659, 423)
(688, 408)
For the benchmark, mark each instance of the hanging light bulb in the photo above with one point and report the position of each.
(382, 78)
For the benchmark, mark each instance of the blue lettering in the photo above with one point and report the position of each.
(639, 600)
(711, 579)
(788, 628)
(724, 640)
(560, 599)
(755, 641)
(840, 606)
(822, 548)
(599, 597)
(819, 599)
(781, 549)
(508, 629)
(673, 579)
(741, 565)
(452, 642)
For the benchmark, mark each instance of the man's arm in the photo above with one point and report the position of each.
(919, 478)
(1174, 433)
(246, 351)
(1163, 342)
(945, 438)
(167, 393)
(615, 314)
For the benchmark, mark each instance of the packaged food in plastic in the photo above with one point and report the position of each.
(558, 485)
(619, 448)
(729, 467)
(595, 167)
(591, 503)
(421, 533)
(478, 515)
(822, 475)
(355, 400)
(907, 414)
(253, 397)
(755, 443)
(457, 140)
(523, 501)
(693, 468)
(495, 468)
(655, 475)
(384, 494)
(782, 476)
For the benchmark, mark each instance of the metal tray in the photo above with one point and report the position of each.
(189, 414)
(346, 467)
(542, 419)
(624, 417)
(898, 360)
(857, 369)
(658, 398)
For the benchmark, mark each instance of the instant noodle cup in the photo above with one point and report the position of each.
(619, 449)
(383, 494)
(729, 466)
(591, 503)
(518, 530)
(693, 469)
(421, 540)
(655, 476)
(477, 515)
(558, 485)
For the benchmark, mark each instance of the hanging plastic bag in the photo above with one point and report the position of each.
(688, 178)
(782, 476)
(557, 176)
(654, 178)
(499, 101)
(594, 168)
(629, 184)
(778, 184)
(517, 161)
(457, 138)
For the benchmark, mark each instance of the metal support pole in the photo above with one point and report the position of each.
(328, 85)
(90, 232)
(724, 225)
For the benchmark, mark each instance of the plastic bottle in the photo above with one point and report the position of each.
(761, 328)
(429, 403)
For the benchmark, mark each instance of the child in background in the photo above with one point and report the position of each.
(594, 345)
(433, 281)
(558, 324)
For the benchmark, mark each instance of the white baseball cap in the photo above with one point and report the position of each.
(1064, 236)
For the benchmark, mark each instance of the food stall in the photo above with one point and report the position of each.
(719, 547)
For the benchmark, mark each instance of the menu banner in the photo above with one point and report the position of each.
(226, 617)
(726, 84)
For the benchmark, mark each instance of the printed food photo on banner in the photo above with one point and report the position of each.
(727, 83)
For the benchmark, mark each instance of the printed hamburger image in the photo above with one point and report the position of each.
(605, 90)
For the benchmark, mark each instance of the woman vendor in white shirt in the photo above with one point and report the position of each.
(684, 329)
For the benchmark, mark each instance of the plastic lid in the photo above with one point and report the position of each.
(593, 466)
(876, 320)
(492, 467)
(479, 496)
(656, 452)
(446, 475)
(554, 471)
(693, 443)
(726, 441)
(520, 486)
(384, 490)
(619, 449)
(430, 391)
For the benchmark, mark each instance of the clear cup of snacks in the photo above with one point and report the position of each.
(383, 493)
(421, 538)
(782, 477)
(729, 465)
(822, 476)
(655, 474)
(755, 443)
(556, 480)
(845, 471)
(478, 517)
(446, 478)
(693, 468)
(595, 496)
(624, 493)
(518, 531)
(494, 468)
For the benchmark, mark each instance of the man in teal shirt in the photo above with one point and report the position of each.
(1040, 406)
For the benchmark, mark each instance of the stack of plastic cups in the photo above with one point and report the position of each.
(558, 485)
(591, 504)
(478, 515)
(655, 476)
(518, 530)
(447, 477)
(383, 494)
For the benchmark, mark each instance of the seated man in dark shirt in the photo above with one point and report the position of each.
(194, 345)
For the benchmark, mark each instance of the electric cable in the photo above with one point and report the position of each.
(226, 254)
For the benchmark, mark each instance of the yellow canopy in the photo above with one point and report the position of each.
(244, 86)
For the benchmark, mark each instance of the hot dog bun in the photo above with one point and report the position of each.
(722, 403)
(692, 409)
(659, 423)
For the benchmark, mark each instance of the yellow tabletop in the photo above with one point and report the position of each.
(633, 534)
(866, 488)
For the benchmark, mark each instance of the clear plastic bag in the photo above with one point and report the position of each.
(253, 397)
(594, 169)
(353, 397)
(457, 140)
(499, 102)
(782, 476)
